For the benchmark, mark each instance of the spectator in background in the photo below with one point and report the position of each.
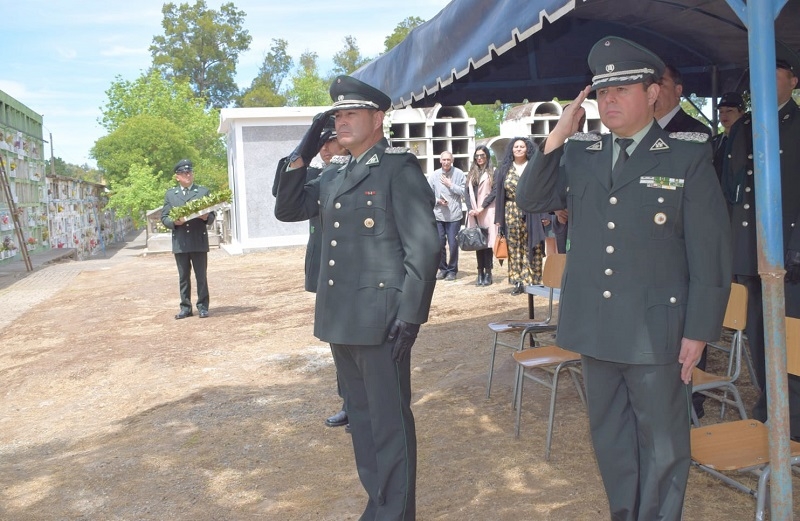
(668, 109)
(730, 108)
(480, 206)
(524, 232)
(447, 184)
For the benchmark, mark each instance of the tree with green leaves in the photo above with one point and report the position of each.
(308, 88)
(487, 118)
(265, 90)
(201, 46)
(401, 31)
(158, 122)
(349, 58)
(142, 190)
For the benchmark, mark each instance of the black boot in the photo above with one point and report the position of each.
(487, 277)
(518, 288)
(479, 280)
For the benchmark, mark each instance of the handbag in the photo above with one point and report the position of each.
(473, 238)
(500, 247)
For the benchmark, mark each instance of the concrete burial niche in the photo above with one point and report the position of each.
(257, 138)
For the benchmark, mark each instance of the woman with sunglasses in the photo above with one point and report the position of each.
(480, 207)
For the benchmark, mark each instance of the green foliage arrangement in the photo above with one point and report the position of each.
(198, 205)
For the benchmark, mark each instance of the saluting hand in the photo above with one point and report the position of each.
(691, 351)
(568, 123)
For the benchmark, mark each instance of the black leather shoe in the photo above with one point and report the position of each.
(337, 420)
(441, 275)
(347, 428)
(203, 313)
(183, 314)
(518, 289)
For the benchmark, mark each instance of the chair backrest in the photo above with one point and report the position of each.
(793, 345)
(736, 312)
(553, 269)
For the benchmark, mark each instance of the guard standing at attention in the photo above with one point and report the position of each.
(189, 239)
(380, 251)
(329, 148)
(739, 185)
(647, 276)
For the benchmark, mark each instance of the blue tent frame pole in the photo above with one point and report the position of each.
(759, 17)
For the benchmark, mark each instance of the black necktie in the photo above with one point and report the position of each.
(623, 143)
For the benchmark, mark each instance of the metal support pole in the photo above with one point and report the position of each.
(759, 17)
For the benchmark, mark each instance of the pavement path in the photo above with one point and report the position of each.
(53, 269)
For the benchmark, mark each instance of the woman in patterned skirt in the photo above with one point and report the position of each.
(524, 232)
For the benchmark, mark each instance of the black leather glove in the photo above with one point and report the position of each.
(792, 265)
(310, 144)
(403, 335)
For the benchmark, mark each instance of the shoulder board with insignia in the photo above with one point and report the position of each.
(692, 137)
(397, 150)
(340, 160)
(585, 136)
(317, 163)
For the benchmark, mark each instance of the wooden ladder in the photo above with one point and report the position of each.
(6, 185)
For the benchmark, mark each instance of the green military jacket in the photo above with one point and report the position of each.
(191, 236)
(649, 259)
(380, 246)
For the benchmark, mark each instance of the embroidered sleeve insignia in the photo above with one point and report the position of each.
(692, 137)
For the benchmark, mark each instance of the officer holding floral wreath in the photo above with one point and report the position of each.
(189, 239)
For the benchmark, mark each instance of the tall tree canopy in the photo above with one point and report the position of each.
(349, 58)
(401, 31)
(202, 46)
(153, 123)
(265, 90)
(308, 87)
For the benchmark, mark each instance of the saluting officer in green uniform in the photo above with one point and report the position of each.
(647, 275)
(380, 251)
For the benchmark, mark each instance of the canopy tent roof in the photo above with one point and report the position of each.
(536, 49)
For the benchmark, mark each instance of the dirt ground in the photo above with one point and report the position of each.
(112, 410)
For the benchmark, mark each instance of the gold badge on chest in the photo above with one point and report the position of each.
(368, 222)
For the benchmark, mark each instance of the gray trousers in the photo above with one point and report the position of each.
(639, 417)
(377, 398)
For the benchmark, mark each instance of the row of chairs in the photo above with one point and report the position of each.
(732, 446)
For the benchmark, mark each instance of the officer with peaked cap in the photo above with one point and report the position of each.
(189, 239)
(328, 148)
(380, 251)
(730, 108)
(647, 275)
(738, 181)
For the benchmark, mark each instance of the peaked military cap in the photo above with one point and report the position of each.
(329, 129)
(350, 93)
(617, 61)
(731, 99)
(184, 165)
(787, 59)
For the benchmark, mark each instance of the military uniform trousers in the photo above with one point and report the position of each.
(652, 426)
(197, 261)
(377, 398)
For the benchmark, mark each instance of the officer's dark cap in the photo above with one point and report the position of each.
(350, 93)
(329, 128)
(787, 59)
(617, 61)
(731, 99)
(184, 165)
